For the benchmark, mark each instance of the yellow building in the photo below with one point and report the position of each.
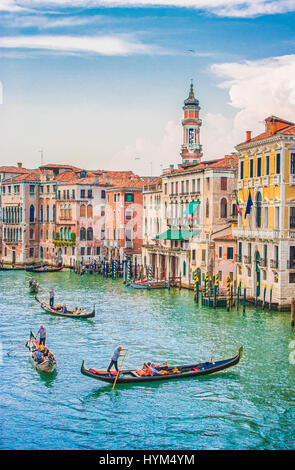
(266, 236)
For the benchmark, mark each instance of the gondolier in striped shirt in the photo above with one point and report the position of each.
(42, 334)
(115, 357)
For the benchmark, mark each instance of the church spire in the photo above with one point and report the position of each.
(191, 150)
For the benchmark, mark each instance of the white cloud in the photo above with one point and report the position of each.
(145, 156)
(48, 22)
(257, 89)
(103, 45)
(228, 8)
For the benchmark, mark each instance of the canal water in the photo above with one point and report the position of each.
(250, 406)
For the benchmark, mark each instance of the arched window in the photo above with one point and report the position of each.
(47, 235)
(258, 210)
(207, 207)
(61, 233)
(32, 213)
(70, 234)
(70, 211)
(82, 233)
(65, 233)
(47, 213)
(41, 252)
(90, 233)
(41, 213)
(82, 211)
(53, 213)
(89, 211)
(31, 234)
(62, 212)
(223, 208)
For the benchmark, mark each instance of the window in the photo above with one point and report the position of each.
(267, 165)
(203, 255)
(258, 210)
(223, 208)
(230, 252)
(207, 207)
(251, 168)
(58, 194)
(115, 197)
(90, 233)
(103, 194)
(220, 252)
(258, 169)
(82, 211)
(129, 197)
(223, 183)
(32, 213)
(128, 215)
(82, 193)
(292, 164)
(48, 189)
(193, 255)
(90, 193)
(242, 170)
(184, 268)
(82, 234)
(208, 183)
(278, 163)
(265, 218)
(53, 213)
(31, 252)
(41, 213)
(292, 217)
(31, 234)
(277, 217)
(88, 250)
(98, 250)
(31, 189)
(47, 213)
(89, 211)
(82, 251)
(73, 194)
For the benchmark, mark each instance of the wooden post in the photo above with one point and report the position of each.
(215, 292)
(244, 300)
(197, 290)
(264, 296)
(256, 295)
(227, 293)
(235, 286)
(292, 311)
(270, 297)
(238, 295)
(231, 295)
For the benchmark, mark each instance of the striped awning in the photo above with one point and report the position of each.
(191, 207)
(176, 234)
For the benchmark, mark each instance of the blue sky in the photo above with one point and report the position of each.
(101, 83)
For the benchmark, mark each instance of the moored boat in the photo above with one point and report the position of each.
(48, 365)
(59, 311)
(18, 268)
(164, 372)
(45, 269)
(152, 284)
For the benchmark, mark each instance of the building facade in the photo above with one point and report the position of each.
(266, 236)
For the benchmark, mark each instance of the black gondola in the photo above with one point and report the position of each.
(19, 268)
(185, 371)
(44, 269)
(68, 313)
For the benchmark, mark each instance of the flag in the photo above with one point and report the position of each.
(249, 204)
(238, 206)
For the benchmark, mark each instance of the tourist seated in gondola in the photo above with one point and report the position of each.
(38, 356)
(59, 308)
(64, 308)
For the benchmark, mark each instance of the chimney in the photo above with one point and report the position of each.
(248, 135)
(96, 179)
(171, 168)
(19, 165)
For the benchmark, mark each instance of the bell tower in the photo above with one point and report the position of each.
(191, 149)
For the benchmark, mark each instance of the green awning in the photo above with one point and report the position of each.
(191, 207)
(176, 235)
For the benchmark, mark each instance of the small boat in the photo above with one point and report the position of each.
(48, 365)
(145, 284)
(18, 268)
(169, 373)
(45, 269)
(81, 313)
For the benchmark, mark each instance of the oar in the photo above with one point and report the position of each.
(120, 368)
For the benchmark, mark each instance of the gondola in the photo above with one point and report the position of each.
(153, 284)
(185, 371)
(68, 313)
(44, 269)
(18, 268)
(48, 366)
(34, 287)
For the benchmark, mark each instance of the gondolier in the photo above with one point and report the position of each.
(115, 357)
(42, 334)
(51, 298)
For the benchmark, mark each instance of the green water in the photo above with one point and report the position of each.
(250, 406)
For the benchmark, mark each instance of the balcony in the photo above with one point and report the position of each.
(239, 258)
(249, 183)
(263, 262)
(257, 182)
(292, 179)
(128, 244)
(274, 264)
(291, 264)
(265, 180)
(291, 234)
(276, 179)
(256, 234)
(248, 259)
(240, 184)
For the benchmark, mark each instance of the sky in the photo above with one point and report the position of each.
(100, 84)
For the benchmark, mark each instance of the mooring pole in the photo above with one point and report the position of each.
(244, 300)
(292, 311)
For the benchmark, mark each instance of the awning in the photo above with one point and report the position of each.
(191, 208)
(177, 234)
